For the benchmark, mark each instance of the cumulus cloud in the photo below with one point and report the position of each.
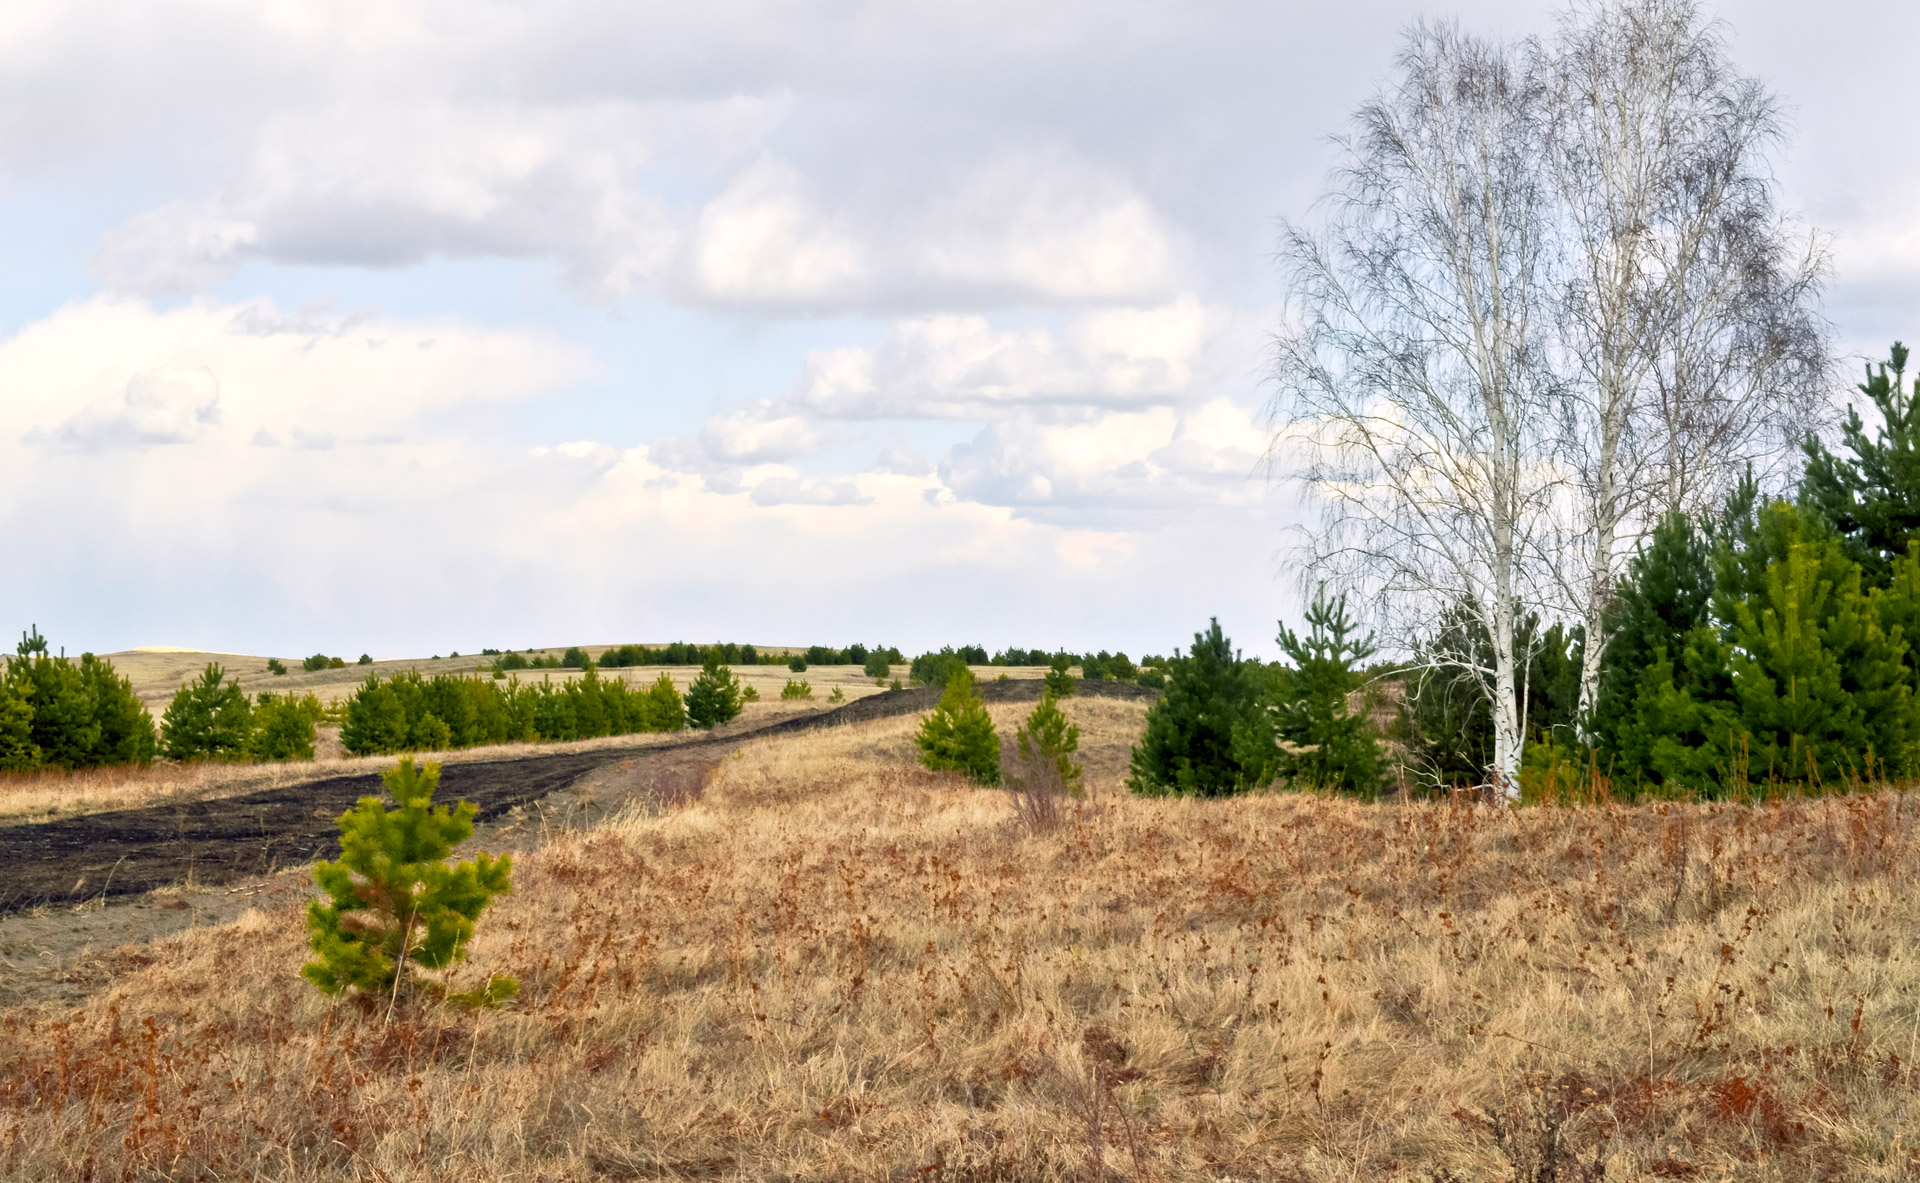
(120, 373)
(1135, 467)
(960, 367)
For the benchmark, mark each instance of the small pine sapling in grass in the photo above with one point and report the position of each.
(749, 693)
(393, 900)
(714, 697)
(1047, 738)
(796, 689)
(959, 736)
(838, 696)
(797, 664)
(875, 666)
(1334, 748)
(365, 659)
(1059, 681)
(276, 667)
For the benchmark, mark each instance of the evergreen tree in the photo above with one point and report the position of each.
(208, 719)
(376, 722)
(662, 708)
(1188, 747)
(1059, 680)
(714, 696)
(1666, 593)
(1048, 738)
(875, 665)
(936, 669)
(1332, 747)
(392, 898)
(64, 727)
(1871, 495)
(958, 735)
(284, 727)
(18, 752)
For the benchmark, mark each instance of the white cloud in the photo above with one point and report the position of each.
(786, 490)
(157, 407)
(960, 367)
(1132, 467)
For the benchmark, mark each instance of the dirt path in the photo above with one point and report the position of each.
(229, 840)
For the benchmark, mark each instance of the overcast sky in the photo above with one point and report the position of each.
(407, 326)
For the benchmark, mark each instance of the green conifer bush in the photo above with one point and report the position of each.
(714, 696)
(18, 752)
(1048, 738)
(276, 667)
(210, 719)
(875, 666)
(1059, 680)
(284, 727)
(376, 721)
(796, 688)
(1187, 748)
(797, 665)
(394, 905)
(1332, 747)
(661, 707)
(958, 735)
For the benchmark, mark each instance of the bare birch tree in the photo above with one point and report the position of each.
(1412, 371)
(1688, 332)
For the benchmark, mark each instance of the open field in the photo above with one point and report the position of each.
(156, 674)
(834, 965)
(223, 838)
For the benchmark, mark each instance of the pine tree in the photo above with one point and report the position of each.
(714, 697)
(876, 665)
(127, 734)
(1334, 748)
(1188, 749)
(64, 727)
(284, 727)
(1059, 680)
(1047, 738)
(662, 708)
(18, 752)
(1871, 497)
(208, 719)
(392, 898)
(376, 722)
(958, 735)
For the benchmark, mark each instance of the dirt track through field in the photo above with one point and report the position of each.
(229, 839)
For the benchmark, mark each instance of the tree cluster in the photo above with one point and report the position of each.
(60, 713)
(213, 719)
(408, 712)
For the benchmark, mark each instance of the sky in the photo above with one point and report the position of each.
(411, 326)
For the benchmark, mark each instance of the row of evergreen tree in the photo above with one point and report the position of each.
(408, 712)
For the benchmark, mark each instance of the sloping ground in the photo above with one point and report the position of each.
(232, 838)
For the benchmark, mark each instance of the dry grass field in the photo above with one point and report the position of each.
(833, 965)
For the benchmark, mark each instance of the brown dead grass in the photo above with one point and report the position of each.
(833, 965)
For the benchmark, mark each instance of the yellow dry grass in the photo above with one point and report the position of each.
(836, 966)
